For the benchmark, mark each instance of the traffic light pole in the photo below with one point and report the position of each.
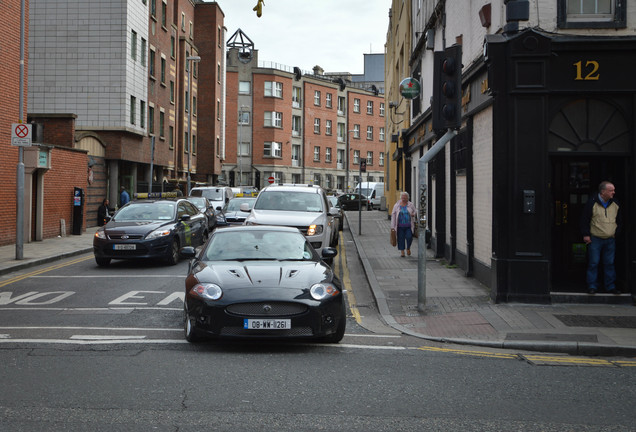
(421, 240)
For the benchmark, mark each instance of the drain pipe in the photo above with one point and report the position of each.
(421, 240)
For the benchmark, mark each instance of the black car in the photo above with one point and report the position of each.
(262, 282)
(206, 207)
(150, 228)
(233, 213)
(340, 216)
(351, 201)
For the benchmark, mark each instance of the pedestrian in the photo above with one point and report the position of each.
(177, 189)
(403, 219)
(124, 198)
(103, 212)
(600, 221)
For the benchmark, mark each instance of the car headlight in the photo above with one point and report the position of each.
(208, 291)
(101, 234)
(161, 232)
(322, 291)
(314, 230)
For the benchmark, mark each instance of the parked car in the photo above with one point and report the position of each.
(352, 201)
(300, 206)
(154, 228)
(207, 208)
(262, 282)
(340, 216)
(233, 213)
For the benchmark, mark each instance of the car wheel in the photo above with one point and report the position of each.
(191, 333)
(102, 262)
(173, 257)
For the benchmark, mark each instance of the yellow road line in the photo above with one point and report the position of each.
(346, 281)
(44, 270)
(473, 353)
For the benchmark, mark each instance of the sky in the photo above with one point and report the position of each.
(334, 34)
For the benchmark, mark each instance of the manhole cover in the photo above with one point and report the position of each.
(598, 321)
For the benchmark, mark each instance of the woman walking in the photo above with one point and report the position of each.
(403, 218)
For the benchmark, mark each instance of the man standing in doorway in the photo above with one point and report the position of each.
(124, 198)
(599, 224)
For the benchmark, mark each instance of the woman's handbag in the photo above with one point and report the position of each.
(415, 230)
(393, 238)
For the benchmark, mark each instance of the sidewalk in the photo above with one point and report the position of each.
(458, 309)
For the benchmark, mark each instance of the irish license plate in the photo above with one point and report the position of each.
(125, 246)
(266, 324)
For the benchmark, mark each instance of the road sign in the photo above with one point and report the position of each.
(21, 135)
(270, 180)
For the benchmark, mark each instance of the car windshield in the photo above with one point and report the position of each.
(289, 201)
(198, 201)
(232, 245)
(235, 204)
(214, 194)
(146, 211)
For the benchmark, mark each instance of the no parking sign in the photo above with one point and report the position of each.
(21, 134)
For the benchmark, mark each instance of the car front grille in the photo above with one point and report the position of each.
(265, 309)
(292, 332)
(127, 237)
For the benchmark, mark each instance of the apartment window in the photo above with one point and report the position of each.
(187, 63)
(341, 132)
(244, 117)
(187, 101)
(182, 21)
(369, 132)
(295, 155)
(191, 29)
(194, 144)
(194, 105)
(186, 142)
(381, 109)
(171, 137)
(591, 13)
(356, 105)
(356, 157)
(151, 64)
(296, 97)
(153, 7)
(273, 119)
(274, 89)
(381, 159)
(163, 70)
(245, 87)
(273, 149)
(218, 146)
(143, 51)
(369, 158)
(142, 114)
(218, 109)
(317, 179)
(316, 153)
(162, 116)
(151, 120)
(370, 107)
(316, 97)
(133, 45)
(296, 122)
(342, 104)
(340, 158)
(172, 92)
(317, 126)
(328, 101)
(356, 131)
(328, 127)
(173, 47)
(244, 149)
(133, 104)
(381, 134)
(164, 13)
(218, 73)
(328, 154)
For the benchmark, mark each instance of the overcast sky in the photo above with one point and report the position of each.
(334, 34)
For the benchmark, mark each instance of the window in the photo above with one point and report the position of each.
(194, 144)
(591, 13)
(369, 158)
(172, 92)
(370, 107)
(142, 114)
(356, 157)
(381, 159)
(245, 87)
(273, 89)
(133, 45)
(218, 109)
(295, 155)
(341, 132)
(328, 101)
(143, 52)
(186, 142)
(182, 22)
(356, 105)
(369, 132)
(273, 119)
(317, 126)
(296, 122)
(171, 137)
(161, 124)
(244, 149)
(164, 13)
(187, 101)
(296, 97)
(273, 149)
(328, 154)
(133, 104)
(194, 105)
(342, 104)
(218, 73)
(340, 159)
(381, 134)
(153, 7)
(356, 131)
(173, 47)
(317, 179)
(381, 109)
(191, 29)
(163, 70)
(244, 117)
(151, 120)
(328, 127)
(151, 65)
(317, 98)
(316, 153)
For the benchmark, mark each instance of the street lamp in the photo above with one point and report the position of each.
(190, 59)
(347, 161)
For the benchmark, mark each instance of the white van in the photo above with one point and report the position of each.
(374, 191)
(217, 195)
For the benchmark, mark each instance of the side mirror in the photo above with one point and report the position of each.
(329, 252)
(185, 217)
(187, 252)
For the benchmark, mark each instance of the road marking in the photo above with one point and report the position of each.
(346, 281)
(106, 337)
(473, 353)
(89, 309)
(44, 270)
(121, 276)
(91, 328)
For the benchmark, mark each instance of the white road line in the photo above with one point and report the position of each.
(90, 328)
(89, 309)
(106, 337)
(106, 276)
